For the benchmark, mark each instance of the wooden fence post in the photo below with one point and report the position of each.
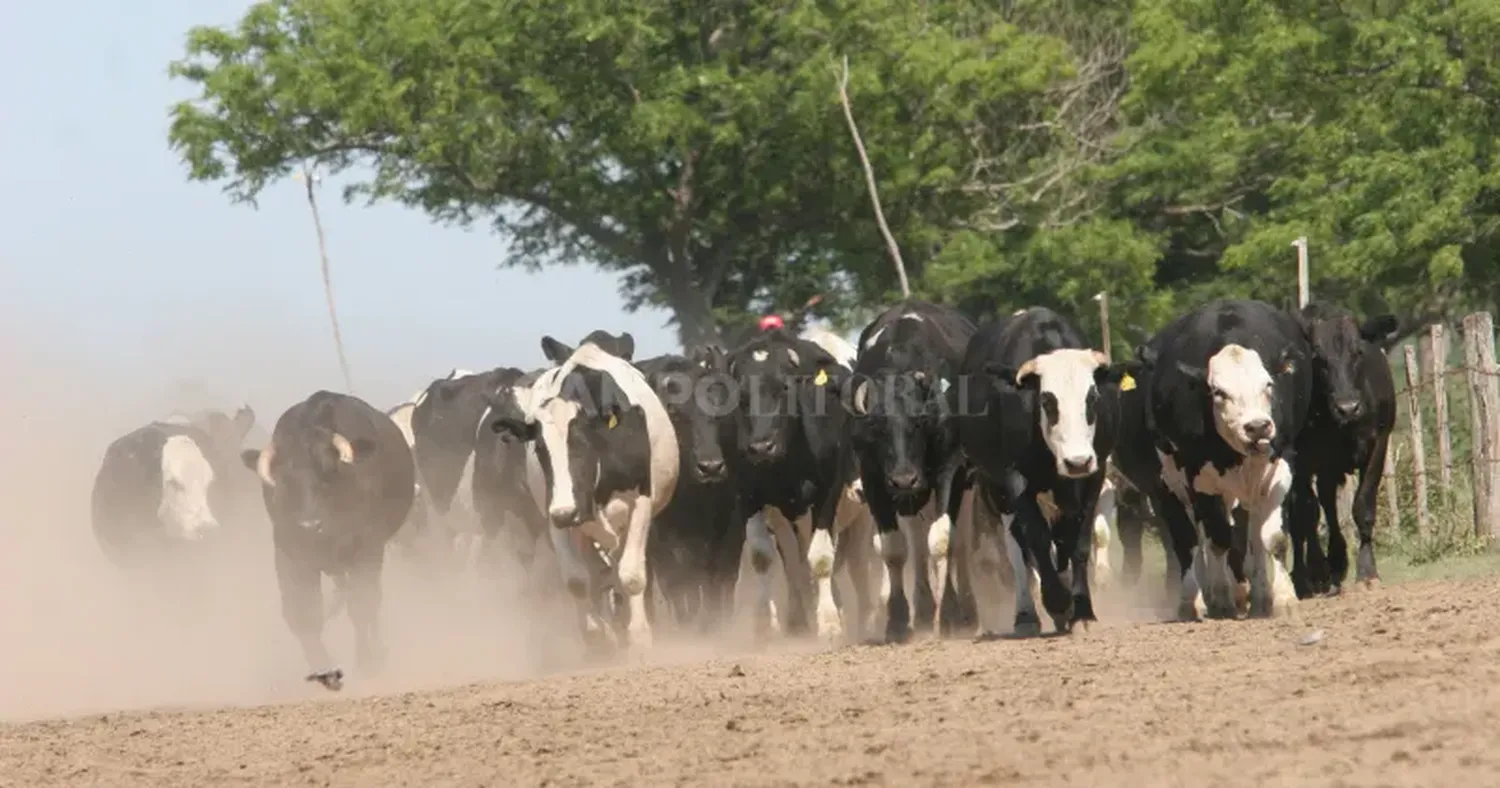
(1392, 486)
(1418, 457)
(1436, 347)
(1484, 398)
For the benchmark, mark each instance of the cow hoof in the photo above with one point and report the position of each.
(1335, 590)
(987, 637)
(897, 633)
(1083, 609)
(1061, 625)
(1027, 625)
(1188, 612)
(332, 680)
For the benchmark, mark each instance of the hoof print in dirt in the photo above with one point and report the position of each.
(332, 680)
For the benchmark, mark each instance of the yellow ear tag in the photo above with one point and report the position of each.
(822, 378)
(1127, 383)
(613, 421)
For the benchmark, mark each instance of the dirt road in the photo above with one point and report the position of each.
(1402, 689)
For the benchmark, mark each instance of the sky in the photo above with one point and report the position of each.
(110, 258)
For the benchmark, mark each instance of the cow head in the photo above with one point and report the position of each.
(771, 373)
(186, 476)
(575, 421)
(1339, 347)
(302, 474)
(895, 414)
(1066, 385)
(698, 396)
(1243, 394)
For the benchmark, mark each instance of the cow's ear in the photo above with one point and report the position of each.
(1381, 331)
(555, 351)
(1146, 355)
(1191, 372)
(244, 419)
(625, 346)
(251, 458)
(1111, 374)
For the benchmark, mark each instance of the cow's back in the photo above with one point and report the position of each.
(379, 491)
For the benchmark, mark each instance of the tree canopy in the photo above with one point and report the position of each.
(1027, 152)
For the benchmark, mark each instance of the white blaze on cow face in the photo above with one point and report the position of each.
(185, 477)
(1067, 406)
(1242, 392)
(555, 419)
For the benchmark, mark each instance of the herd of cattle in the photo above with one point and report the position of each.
(932, 447)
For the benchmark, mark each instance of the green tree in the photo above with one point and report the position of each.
(1368, 127)
(698, 148)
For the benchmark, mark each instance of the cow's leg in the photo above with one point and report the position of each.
(632, 569)
(923, 602)
(1104, 517)
(301, 587)
(1034, 527)
(1181, 545)
(961, 568)
(947, 500)
(1027, 623)
(1338, 549)
(1239, 535)
(574, 568)
(853, 559)
(1302, 527)
(1271, 591)
(1084, 512)
(1211, 561)
(1366, 501)
(364, 609)
(799, 581)
(893, 551)
(1130, 524)
(762, 548)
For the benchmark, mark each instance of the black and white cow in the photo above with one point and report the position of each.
(793, 465)
(609, 456)
(1037, 411)
(1145, 501)
(166, 485)
(695, 543)
(906, 446)
(444, 422)
(337, 481)
(1230, 388)
(506, 483)
(1348, 429)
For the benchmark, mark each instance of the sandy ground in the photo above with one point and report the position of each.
(1401, 689)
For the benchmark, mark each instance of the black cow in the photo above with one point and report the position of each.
(609, 461)
(506, 482)
(792, 464)
(337, 480)
(166, 486)
(1229, 391)
(1348, 429)
(1037, 411)
(906, 446)
(695, 544)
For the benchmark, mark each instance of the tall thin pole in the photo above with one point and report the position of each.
(1103, 299)
(864, 159)
(1302, 286)
(309, 180)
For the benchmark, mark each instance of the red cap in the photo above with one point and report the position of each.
(771, 321)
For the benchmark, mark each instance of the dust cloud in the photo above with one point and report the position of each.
(81, 635)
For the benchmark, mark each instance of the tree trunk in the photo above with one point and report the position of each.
(696, 326)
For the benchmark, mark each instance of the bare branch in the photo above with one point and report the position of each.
(864, 159)
(309, 178)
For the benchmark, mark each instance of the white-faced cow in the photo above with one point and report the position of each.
(1037, 411)
(165, 486)
(1348, 429)
(608, 452)
(792, 464)
(1230, 386)
(695, 543)
(907, 447)
(337, 481)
